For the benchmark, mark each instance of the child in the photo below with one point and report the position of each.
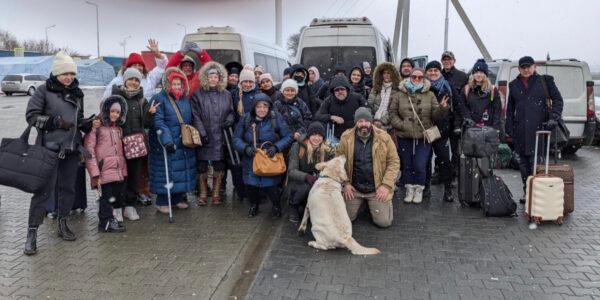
(107, 167)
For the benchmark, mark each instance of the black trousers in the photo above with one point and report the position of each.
(218, 165)
(455, 160)
(112, 194)
(238, 181)
(442, 159)
(63, 180)
(526, 167)
(134, 176)
(255, 193)
(299, 193)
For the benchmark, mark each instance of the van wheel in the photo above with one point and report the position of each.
(8, 94)
(570, 149)
(31, 91)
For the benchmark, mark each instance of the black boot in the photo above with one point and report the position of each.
(64, 231)
(448, 192)
(253, 209)
(294, 214)
(111, 226)
(31, 242)
(276, 211)
(522, 199)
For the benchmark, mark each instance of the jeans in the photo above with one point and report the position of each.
(414, 154)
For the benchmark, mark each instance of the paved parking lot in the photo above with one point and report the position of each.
(433, 251)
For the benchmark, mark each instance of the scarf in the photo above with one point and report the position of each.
(131, 93)
(411, 88)
(386, 91)
(177, 94)
(440, 85)
(68, 92)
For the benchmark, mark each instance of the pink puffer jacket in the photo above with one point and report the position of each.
(108, 159)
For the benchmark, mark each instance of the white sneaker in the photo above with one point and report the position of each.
(410, 193)
(418, 193)
(130, 213)
(118, 214)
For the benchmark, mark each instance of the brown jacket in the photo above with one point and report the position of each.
(402, 117)
(386, 163)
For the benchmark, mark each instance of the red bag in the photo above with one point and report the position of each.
(134, 146)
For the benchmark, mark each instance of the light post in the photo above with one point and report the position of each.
(97, 26)
(124, 44)
(46, 44)
(184, 28)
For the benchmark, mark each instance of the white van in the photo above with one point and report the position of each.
(574, 81)
(328, 42)
(226, 45)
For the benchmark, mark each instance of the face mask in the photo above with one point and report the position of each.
(299, 79)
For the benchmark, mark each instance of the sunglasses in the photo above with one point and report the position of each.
(415, 77)
(339, 89)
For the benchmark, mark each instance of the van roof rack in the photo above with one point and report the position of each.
(567, 59)
(340, 21)
(501, 59)
(216, 29)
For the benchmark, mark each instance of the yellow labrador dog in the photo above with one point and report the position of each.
(326, 208)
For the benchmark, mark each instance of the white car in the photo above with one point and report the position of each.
(22, 83)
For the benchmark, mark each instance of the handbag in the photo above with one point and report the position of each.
(480, 142)
(134, 146)
(26, 167)
(263, 165)
(190, 136)
(560, 133)
(431, 134)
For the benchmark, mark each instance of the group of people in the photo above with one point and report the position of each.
(377, 119)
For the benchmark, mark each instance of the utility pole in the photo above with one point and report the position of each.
(461, 12)
(398, 24)
(446, 27)
(97, 27)
(46, 44)
(278, 22)
(124, 44)
(405, 23)
(184, 28)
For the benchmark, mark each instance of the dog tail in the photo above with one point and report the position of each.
(358, 249)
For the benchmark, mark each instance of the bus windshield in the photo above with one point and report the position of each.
(326, 58)
(224, 56)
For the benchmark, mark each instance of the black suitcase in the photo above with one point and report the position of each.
(496, 198)
(468, 181)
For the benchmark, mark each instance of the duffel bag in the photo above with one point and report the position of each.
(26, 167)
(480, 142)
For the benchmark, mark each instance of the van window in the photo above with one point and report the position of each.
(493, 74)
(224, 56)
(326, 58)
(13, 78)
(569, 80)
(260, 59)
(273, 69)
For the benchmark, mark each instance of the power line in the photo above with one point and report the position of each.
(341, 6)
(367, 7)
(329, 8)
(351, 8)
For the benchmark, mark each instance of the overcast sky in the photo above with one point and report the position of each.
(509, 28)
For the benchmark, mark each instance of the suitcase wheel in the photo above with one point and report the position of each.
(559, 221)
(537, 220)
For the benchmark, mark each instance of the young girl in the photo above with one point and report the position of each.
(107, 167)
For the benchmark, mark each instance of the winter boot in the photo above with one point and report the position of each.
(224, 184)
(418, 198)
(276, 211)
(522, 199)
(448, 192)
(31, 242)
(64, 231)
(253, 208)
(216, 188)
(111, 226)
(202, 189)
(410, 193)
(118, 214)
(294, 216)
(130, 213)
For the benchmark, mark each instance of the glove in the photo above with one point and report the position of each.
(272, 150)
(60, 123)
(310, 179)
(191, 46)
(250, 151)
(468, 123)
(227, 123)
(85, 124)
(457, 131)
(204, 140)
(171, 148)
(551, 124)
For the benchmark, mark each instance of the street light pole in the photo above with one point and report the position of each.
(46, 44)
(184, 28)
(124, 44)
(97, 27)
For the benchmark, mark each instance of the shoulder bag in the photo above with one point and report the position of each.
(190, 137)
(263, 165)
(431, 134)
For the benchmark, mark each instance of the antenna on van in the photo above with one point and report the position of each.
(547, 55)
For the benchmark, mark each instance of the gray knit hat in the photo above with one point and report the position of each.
(363, 113)
(132, 73)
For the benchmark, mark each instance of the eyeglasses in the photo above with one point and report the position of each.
(339, 89)
(415, 77)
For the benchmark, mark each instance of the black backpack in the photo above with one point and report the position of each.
(497, 200)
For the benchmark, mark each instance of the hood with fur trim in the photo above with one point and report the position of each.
(167, 85)
(425, 89)
(222, 75)
(105, 109)
(378, 76)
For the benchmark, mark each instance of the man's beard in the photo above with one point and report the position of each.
(364, 131)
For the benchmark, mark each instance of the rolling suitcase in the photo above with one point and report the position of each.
(544, 195)
(468, 181)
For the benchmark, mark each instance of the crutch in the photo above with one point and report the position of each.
(237, 155)
(169, 184)
(228, 144)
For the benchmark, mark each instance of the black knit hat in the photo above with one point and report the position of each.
(315, 128)
(480, 65)
(408, 60)
(433, 64)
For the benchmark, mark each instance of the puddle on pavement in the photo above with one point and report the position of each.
(7, 107)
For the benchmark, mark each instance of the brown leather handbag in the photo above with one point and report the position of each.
(190, 136)
(263, 165)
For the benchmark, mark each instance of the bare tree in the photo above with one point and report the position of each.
(7, 40)
(293, 41)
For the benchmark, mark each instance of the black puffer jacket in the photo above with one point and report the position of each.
(138, 116)
(344, 109)
(52, 100)
(478, 102)
(304, 91)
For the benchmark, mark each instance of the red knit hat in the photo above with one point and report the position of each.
(134, 58)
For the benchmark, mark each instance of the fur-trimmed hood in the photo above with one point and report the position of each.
(105, 109)
(167, 85)
(378, 76)
(204, 75)
(425, 89)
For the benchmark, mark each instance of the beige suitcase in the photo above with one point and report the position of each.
(544, 194)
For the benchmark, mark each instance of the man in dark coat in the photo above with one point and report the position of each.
(300, 74)
(406, 66)
(324, 91)
(527, 112)
(457, 79)
(339, 108)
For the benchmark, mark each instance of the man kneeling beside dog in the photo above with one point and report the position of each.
(364, 170)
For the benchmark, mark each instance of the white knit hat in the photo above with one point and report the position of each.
(289, 83)
(247, 75)
(63, 64)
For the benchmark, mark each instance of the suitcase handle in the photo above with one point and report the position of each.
(535, 157)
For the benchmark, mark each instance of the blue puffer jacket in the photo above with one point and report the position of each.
(281, 137)
(182, 163)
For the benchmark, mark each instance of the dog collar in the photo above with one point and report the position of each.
(325, 176)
